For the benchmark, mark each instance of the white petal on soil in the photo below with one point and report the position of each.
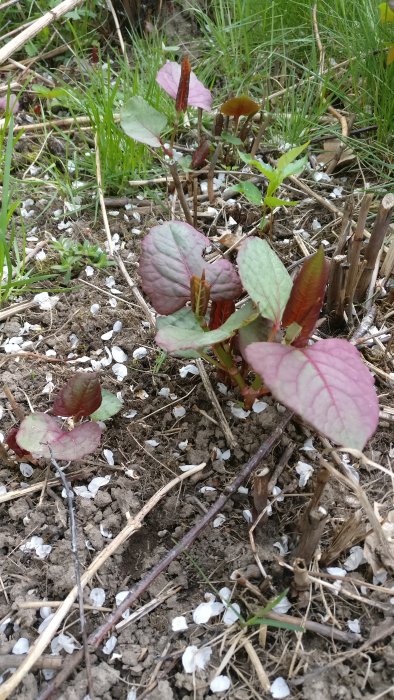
(239, 412)
(81, 491)
(63, 641)
(89, 271)
(279, 688)
(205, 611)
(225, 595)
(130, 414)
(222, 388)
(178, 412)
(152, 443)
(355, 558)
(110, 282)
(206, 489)
(354, 626)
(119, 598)
(308, 446)
(26, 469)
(120, 371)
(179, 623)
(219, 520)
(139, 354)
(106, 533)
(44, 624)
(188, 369)
(194, 658)
(117, 327)
(43, 550)
(247, 515)
(3, 489)
(220, 684)
(259, 406)
(336, 571)
(283, 606)
(187, 467)
(183, 445)
(305, 471)
(109, 456)
(165, 391)
(98, 482)
(232, 614)
(118, 354)
(132, 695)
(45, 611)
(97, 597)
(243, 490)
(107, 336)
(44, 301)
(21, 646)
(110, 645)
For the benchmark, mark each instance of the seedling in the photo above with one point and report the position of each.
(326, 382)
(74, 256)
(41, 435)
(287, 165)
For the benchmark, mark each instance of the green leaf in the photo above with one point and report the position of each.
(142, 122)
(181, 330)
(266, 169)
(227, 137)
(295, 168)
(264, 277)
(250, 191)
(273, 202)
(290, 156)
(110, 405)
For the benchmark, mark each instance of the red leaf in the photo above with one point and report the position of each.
(80, 397)
(306, 297)
(200, 292)
(241, 106)
(220, 311)
(183, 87)
(11, 442)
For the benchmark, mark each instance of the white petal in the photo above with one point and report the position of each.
(219, 520)
(97, 597)
(188, 369)
(355, 558)
(178, 412)
(220, 684)
(110, 645)
(279, 688)
(283, 606)
(152, 443)
(259, 406)
(107, 336)
(232, 614)
(194, 658)
(45, 612)
(43, 550)
(120, 371)
(239, 412)
(179, 623)
(205, 611)
(139, 354)
(164, 392)
(97, 483)
(305, 471)
(336, 571)
(354, 626)
(109, 456)
(21, 646)
(132, 695)
(117, 327)
(118, 354)
(247, 514)
(26, 469)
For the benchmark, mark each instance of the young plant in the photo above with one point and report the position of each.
(287, 165)
(41, 435)
(325, 382)
(74, 256)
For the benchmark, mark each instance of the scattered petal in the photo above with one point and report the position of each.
(239, 412)
(152, 443)
(308, 446)
(194, 658)
(110, 645)
(26, 469)
(44, 301)
(305, 471)
(179, 623)
(283, 606)
(279, 688)
(222, 388)
(188, 369)
(118, 354)
(178, 412)
(205, 611)
(183, 445)
(105, 533)
(219, 520)
(354, 626)
(120, 371)
(232, 614)
(97, 597)
(247, 514)
(21, 646)
(259, 406)
(109, 456)
(220, 684)
(139, 353)
(355, 558)
(63, 641)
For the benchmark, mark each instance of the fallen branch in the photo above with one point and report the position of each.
(186, 542)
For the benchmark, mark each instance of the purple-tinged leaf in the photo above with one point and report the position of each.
(306, 297)
(171, 255)
(327, 384)
(80, 397)
(181, 330)
(42, 435)
(169, 77)
(220, 311)
(264, 277)
(11, 442)
(142, 122)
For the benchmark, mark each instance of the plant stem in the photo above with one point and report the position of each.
(228, 365)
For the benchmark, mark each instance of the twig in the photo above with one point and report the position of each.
(211, 172)
(101, 197)
(149, 315)
(230, 439)
(182, 199)
(77, 569)
(49, 662)
(45, 637)
(375, 243)
(162, 565)
(318, 40)
(354, 254)
(16, 309)
(39, 24)
(18, 411)
(117, 27)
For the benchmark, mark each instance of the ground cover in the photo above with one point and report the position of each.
(288, 589)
